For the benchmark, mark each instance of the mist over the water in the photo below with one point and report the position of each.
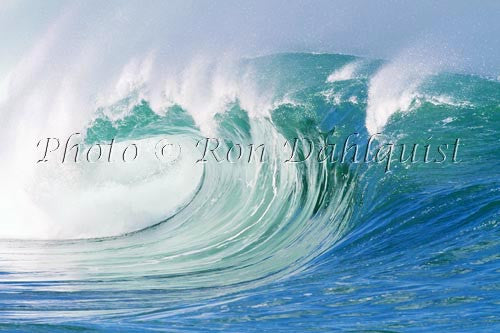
(180, 30)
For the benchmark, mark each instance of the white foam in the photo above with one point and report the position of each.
(447, 120)
(332, 96)
(79, 201)
(74, 69)
(446, 100)
(67, 201)
(206, 87)
(128, 89)
(347, 72)
(394, 87)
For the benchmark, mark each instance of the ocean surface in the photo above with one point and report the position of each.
(270, 245)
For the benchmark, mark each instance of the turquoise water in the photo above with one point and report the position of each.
(274, 245)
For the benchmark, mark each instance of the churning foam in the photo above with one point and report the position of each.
(86, 200)
(56, 89)
(393, 88)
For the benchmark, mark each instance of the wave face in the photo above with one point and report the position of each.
(267, 245)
